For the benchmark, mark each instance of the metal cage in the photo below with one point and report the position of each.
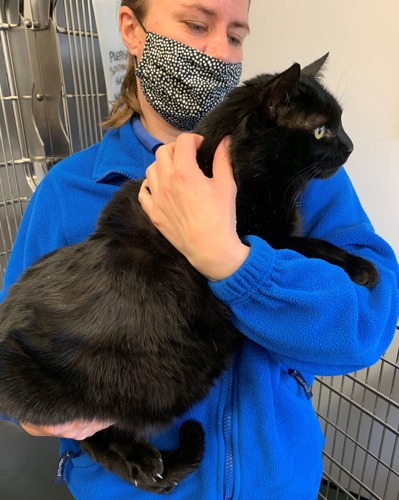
(52, 97)
(52, 101)
(359, 414)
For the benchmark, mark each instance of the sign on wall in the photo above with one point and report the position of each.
(114, 54)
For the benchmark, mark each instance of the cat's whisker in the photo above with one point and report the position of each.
(305, 175)
(312, 169)
(304, 178)
(297, 192)
(216, 348)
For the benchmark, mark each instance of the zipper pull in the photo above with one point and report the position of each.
(301, 381)
(61, 466)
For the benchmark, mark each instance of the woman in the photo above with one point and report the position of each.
(263, 437)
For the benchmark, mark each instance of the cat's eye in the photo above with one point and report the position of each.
(320, 132)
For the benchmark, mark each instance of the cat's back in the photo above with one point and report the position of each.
(124, 264)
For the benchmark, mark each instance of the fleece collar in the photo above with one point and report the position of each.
(126, 151)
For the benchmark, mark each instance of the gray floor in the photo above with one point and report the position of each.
(28, 466)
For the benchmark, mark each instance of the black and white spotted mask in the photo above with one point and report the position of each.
(183, 84)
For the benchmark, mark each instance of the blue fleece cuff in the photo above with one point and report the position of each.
(249, 276)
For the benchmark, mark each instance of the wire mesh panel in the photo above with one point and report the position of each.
(52, 97)
(14, 184)
(85, 100)
(359, 414)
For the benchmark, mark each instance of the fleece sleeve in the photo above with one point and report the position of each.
(307, 313)
(40, 232)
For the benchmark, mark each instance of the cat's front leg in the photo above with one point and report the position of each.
(141, 464)
(134, 460)
(361, 271)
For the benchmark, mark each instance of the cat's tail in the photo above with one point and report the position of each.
(181, 462)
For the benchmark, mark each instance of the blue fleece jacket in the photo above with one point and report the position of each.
(263, 440)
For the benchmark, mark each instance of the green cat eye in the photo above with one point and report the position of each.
(320, 132)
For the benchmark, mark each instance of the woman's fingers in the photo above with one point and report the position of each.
(78, 430)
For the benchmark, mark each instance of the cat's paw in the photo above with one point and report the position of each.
(362, 272)
(146, 466)
(146, 481)
(159, 486)
(147, 469)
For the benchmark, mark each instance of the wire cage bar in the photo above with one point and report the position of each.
(14, 184)
(84, 99)
(52, 97)
(359, 414)
(52, 102)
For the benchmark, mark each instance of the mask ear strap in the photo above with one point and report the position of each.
(142, 25)
(139, 21)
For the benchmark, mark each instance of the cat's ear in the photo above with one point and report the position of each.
(315, 69)
(281, 87)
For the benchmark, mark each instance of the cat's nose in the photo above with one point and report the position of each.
(345, 140)
(348, 145)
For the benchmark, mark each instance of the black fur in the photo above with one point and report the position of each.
(122, 328)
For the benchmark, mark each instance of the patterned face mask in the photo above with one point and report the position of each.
(183, 84)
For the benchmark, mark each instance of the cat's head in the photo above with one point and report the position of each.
(305, 118)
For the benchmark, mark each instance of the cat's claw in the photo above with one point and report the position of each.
(146, 469)
(157, 486)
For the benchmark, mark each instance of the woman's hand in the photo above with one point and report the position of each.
(195, 213)
(77, 430)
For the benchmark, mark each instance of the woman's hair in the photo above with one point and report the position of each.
(127, 103)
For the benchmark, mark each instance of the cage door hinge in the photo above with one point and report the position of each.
(37, 14)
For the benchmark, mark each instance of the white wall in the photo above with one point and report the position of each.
(363, 72)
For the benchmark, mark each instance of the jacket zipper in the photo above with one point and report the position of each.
(228, 437)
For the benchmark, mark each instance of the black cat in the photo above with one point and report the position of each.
(122, 328)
